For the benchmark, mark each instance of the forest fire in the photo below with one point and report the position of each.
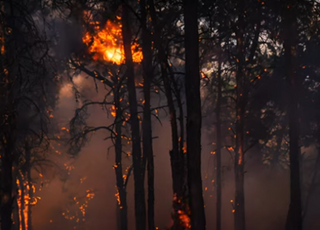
(106, 44)
(128, 115)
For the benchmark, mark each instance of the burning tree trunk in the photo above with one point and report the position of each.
(239, 209)
(21, 202)
(198, 221)
(30, 185)
(176, 156)
(294, 219)
(146, 124)
(122, 199)
(138, 166)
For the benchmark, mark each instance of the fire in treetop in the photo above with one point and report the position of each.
(106, 43)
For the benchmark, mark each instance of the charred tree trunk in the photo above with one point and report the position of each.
(7, 116)
(138, 166)
(21, 187)
(182, 155)
(175, 156)
(146, 123)
(198, 221)
(30, 185)
(294, 220)
(122, 208)
(219, 143)
(6, 183)
(239, 208)
(16, 214)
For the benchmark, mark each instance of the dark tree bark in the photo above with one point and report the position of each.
(176, 156)
(6, 182)
(29, 182)
(294, 220)
(122, 204)
(146, 123)
(7, 117)
(198, 221)
(239, 208)
(21, 187)
(138, 167)
(219, 143)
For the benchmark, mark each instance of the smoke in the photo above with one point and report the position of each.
(266, 188)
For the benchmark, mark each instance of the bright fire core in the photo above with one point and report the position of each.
(106, 44)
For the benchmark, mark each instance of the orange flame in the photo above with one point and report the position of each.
(185, 219)
(27, 201)
(106, 44)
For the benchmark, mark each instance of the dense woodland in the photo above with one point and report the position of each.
(155, 114)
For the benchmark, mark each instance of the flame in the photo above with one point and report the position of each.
(106, 44)
(27, 201)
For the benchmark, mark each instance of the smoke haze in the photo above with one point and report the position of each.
(266, 188)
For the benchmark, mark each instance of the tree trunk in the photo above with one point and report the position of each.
(294, 220)
(239, 208)
(7, 117)
(122, 208)
(15, 215)
(30, 189)
(182, 156)
(6, 185)
(219, 143)
(177, 167)
(138, 167)
(198, 221)
(21, 187)
(146, 123)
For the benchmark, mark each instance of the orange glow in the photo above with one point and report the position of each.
(27, 202)
(185, 219)
(117, 195)
(184, 149)
(113, 111)
(2, 42)
(183, 214)
(106, 44)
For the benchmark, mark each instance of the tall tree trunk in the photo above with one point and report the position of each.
(146, 123)
(294, 220)
(239, 208)
(219, 143)
(175, 157)
(30, 185)
(122, 208)
(138, 166)
(198, 221)
(22, 207)
(7, 116)
(15, 215)
(182, 156)
(6, 184)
